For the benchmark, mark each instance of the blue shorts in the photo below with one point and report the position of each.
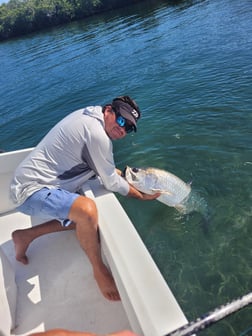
(54, 203)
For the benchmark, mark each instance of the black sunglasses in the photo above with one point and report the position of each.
(122, 122)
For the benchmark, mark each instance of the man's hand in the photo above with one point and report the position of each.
(133, 192)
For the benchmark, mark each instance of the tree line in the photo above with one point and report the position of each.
(20, 17)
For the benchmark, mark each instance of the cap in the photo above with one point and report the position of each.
(129, 110)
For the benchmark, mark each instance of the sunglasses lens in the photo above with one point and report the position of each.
(121, 121)
(129, 128)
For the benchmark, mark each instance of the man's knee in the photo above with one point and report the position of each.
(88, 207)
(83, 208)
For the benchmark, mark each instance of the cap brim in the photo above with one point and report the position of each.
(125, 111)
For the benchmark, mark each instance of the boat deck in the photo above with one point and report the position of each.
(57, 289)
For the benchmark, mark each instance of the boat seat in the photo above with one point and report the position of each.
(8, 160)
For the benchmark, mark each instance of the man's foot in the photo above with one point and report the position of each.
(107, 284)
(21, 242)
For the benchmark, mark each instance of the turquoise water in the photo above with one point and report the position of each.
(188, 65)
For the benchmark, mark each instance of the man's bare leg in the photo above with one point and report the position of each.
(84, 214)
(23, 238)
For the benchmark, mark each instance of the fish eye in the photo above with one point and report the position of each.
(135, 170)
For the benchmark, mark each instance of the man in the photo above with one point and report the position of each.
(45, 183)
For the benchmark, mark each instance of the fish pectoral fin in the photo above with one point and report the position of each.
(167, 193)
(162, 191)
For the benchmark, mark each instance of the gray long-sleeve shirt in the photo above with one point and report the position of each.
(72, 152)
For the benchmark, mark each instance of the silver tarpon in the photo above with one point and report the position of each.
(174, 192)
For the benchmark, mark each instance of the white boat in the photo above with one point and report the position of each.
(57, 290)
